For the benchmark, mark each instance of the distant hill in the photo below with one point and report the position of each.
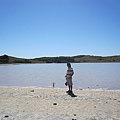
(5, 59)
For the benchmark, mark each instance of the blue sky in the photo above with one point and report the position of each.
(36, 28)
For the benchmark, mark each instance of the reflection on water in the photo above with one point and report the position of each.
(87, 75)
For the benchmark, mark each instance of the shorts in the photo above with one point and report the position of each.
(69, 81)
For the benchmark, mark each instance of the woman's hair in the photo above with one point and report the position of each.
(68, 64)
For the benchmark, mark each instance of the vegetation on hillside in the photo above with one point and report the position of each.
(5, 59)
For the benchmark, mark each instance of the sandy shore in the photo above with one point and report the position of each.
(18, 103)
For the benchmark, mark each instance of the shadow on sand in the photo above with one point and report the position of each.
(72, 94)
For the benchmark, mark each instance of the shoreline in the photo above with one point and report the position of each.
(36, 87)
(30, 103)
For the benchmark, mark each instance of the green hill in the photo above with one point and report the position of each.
(5, 59)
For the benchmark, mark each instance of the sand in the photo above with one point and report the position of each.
(20, 103)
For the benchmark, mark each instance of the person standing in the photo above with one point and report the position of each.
(53, 84)
(68, 76)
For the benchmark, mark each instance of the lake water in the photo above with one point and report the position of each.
(87, 75)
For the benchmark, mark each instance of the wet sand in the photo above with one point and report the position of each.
(20, 103)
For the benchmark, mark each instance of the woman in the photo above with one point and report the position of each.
(68, 76)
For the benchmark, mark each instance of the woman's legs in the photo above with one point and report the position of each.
(69, 81)
(70, 88)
